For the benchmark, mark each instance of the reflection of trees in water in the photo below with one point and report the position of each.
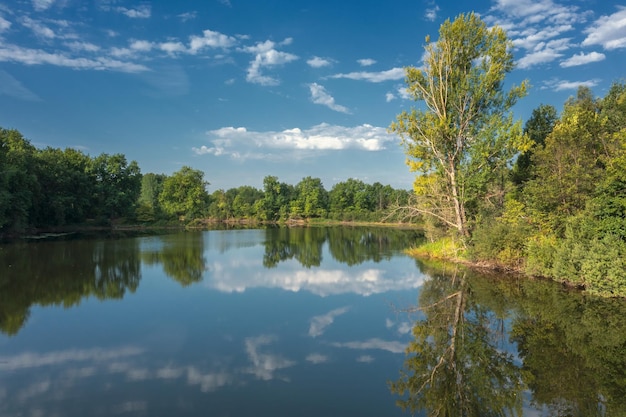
(302, 244)
(454, 365)
(182, 257)
(572, 349)
(63, 273)
(349, 245)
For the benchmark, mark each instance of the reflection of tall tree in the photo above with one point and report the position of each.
(182, 257)
(63, 273)
(454, 366)
(302, 243)
(350, 245)
(357, 245)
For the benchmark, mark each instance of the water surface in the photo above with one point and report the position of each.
(301, 321)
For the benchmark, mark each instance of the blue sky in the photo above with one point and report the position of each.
(241, 89)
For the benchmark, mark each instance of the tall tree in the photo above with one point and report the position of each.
(184, 193)
(117, 185)
(537, 127)
(311, 198)
(466, 135)
(18, 181)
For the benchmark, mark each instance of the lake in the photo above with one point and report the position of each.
(293, 321)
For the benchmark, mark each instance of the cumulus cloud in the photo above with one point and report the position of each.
(544, 52)
(142, 12)
(366, 62)
(537, 28)
(364, 282)
(267, 56)
(319, 95)
(560, 85)
(317, 62)
(320, 323)
(608, 31)
(374, 77)
(41, 5)
(582, 59)
(236, 142)
(210, 39)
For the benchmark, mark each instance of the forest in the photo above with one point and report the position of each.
(55, 189)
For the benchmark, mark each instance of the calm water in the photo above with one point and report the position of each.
(293, 322)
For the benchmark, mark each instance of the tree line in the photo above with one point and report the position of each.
(42, 188)
(548, 198)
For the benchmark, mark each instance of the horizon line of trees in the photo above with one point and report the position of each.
(51, 187)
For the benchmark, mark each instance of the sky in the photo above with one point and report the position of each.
(242, 89)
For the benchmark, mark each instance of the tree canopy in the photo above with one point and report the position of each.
(465, 136)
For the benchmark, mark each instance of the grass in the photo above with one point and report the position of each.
(444, 249)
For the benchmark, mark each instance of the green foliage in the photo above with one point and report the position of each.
(538, 127)
(117, 186)
(454, 366)
(466, 138)
(184, 193)
(18, 181)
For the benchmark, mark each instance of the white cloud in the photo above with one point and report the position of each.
(141, 45)
(187, 16)
(264, 365)
(366, 62)
(537, 58)
(35, 360)
(431, 13)
(582, 59)
(535, 11)
(41, 5)
(374, 77)
(316, 358)
(365, 359)
(235, 142)
(11, 87)
(560, 85)
(266, 56)
(172, 47)
(28, 56)
(39, 29)
(4, 24)
(320, 323)
(210, 39)
(142, 12)
(361, 281)
(608, 31)
(319, 95)
(389, 97)
(317, 62)
(375, 343)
